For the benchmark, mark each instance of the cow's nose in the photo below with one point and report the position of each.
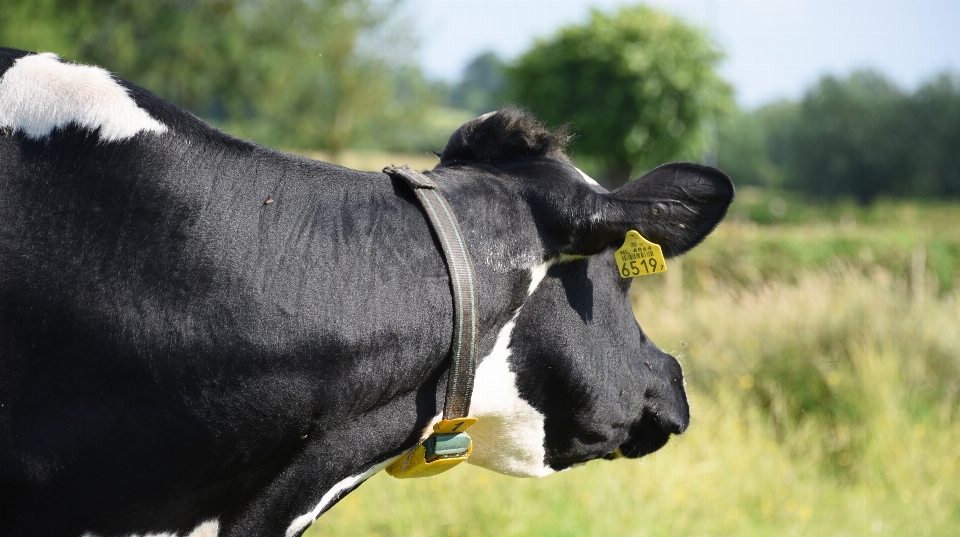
(646, 437)
(665, 409)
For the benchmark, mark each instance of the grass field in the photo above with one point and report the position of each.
(822, 355)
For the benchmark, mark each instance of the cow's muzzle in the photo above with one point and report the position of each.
(666, 411)
(648, 436)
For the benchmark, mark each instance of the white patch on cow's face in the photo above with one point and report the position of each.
(210, 528)
(306, 519)
(40, 93)
(509, 434)
(587, 178)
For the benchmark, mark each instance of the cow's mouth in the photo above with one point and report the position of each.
(614, 455)
(649, 435)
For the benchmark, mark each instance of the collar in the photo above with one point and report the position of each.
(449, 444)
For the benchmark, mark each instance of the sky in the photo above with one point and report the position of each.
(775, 49)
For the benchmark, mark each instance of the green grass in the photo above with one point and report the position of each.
(753, 246)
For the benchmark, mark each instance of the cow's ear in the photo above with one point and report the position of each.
(675, 205)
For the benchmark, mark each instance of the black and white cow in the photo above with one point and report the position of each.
(201, 336)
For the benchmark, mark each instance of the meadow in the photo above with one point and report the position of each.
(821, 347)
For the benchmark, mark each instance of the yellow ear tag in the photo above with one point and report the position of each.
(414, 463)
(639, 257)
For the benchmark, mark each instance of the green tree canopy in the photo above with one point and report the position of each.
(639, 88)
(857, 136)
(299, 73)
(849, 138)
(934, 112)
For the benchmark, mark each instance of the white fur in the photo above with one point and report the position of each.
(306, 519)
(40, 93)
(509, 434)
(587, 178)
(537, 274)
(210, 528)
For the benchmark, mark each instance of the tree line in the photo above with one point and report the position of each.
(637, 87)
(858, 136)
(292, 73)
(614, 80)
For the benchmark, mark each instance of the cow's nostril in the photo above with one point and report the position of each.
(651, 434)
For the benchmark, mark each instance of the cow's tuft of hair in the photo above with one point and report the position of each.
(509, 134)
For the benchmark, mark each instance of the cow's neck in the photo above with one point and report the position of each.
(345, 285)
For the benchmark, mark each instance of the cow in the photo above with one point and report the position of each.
(201, 336)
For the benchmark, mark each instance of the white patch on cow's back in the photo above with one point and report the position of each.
(39, 93)
(210, 528)
(509, 434)
(306, 519)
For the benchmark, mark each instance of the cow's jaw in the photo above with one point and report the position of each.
(509, 436)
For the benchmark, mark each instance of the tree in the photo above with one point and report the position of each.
(481, 89)
(301, 73)
(754, 147)
(858, 136)
(639, 88)
(851, 139)
(934, 118)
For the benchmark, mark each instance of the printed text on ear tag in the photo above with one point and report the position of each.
(639, 257)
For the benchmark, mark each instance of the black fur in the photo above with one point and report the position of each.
(173, 349)
(508, 135)
(8, 56)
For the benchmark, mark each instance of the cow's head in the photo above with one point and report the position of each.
(566, 373)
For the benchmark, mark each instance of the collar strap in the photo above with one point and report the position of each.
(449, 444)
(463, 281)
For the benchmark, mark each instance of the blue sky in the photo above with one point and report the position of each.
(775, 48)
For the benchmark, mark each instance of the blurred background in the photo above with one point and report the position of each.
(819, 326)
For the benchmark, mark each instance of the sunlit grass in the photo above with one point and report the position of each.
(745, 253)
(826, 406)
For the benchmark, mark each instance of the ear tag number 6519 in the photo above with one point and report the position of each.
(639, 257)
